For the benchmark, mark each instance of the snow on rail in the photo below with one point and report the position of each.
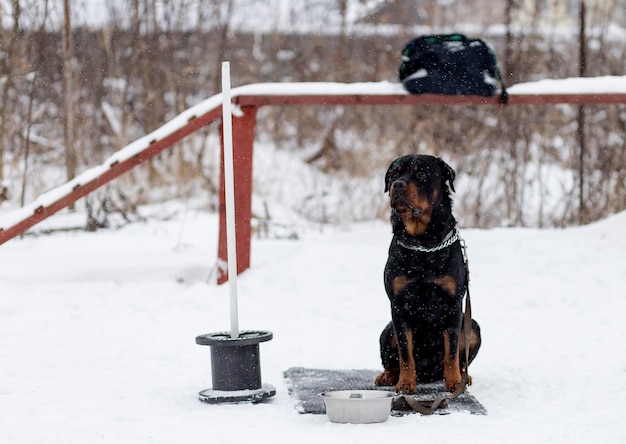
(573, 85)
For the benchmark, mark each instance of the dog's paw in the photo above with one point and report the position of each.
(452, 385)
(406, 387)
(386, 378)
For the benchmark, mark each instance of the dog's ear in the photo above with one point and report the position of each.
(388, 176)
(448, 174)
(387, 181)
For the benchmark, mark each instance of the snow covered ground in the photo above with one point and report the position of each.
(97, 333)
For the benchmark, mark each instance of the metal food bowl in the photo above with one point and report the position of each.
(358, 406)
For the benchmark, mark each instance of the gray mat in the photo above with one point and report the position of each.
(305, 385)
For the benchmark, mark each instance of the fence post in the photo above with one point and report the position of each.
(243, 140)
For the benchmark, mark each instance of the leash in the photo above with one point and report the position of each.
(429, 407)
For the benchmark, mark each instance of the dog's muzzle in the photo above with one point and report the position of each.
(399, 204)
(403, 208)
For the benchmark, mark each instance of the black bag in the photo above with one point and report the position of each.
(450, 64)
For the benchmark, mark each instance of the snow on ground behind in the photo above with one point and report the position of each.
(97, 333)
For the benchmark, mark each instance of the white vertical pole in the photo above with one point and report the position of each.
(229, 182)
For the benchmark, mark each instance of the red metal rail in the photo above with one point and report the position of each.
(250, 100)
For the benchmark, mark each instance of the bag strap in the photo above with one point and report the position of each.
(429, 407)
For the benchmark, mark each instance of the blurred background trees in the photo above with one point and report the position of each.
(131, 65)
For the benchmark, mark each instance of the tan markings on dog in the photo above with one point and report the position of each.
(446, 282)
(473, 344)
(399, 283)
(416, 225)
(394, 342)
(407, 380)
(451, 366)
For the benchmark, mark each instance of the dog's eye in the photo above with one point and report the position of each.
(421, 175)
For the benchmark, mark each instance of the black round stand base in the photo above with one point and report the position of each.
(236, 367)
(221, 396)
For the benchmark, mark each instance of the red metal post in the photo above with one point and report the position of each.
(243, 139)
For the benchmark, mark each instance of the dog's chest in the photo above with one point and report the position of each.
(417, 280)
(418, 266)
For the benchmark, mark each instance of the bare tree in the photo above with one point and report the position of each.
(224, 14)
(68, 94)
(581, 120)
(11, 38)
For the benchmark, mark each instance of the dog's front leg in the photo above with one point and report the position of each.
(407, 380)
(451, 367)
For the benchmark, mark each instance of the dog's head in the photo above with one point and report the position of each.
(419, 189)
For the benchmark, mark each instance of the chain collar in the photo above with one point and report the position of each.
(453, 236)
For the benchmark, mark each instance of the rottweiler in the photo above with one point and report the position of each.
(425, 279)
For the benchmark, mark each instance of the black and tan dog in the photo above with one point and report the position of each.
(425, 279)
